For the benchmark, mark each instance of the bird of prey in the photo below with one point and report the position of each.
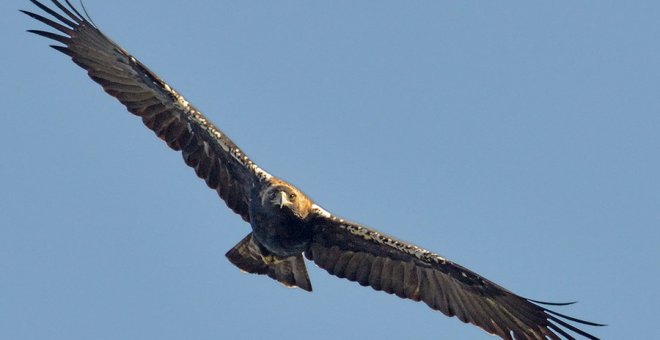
(286, 224)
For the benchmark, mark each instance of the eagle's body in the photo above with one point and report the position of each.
(281, 216)
(286, 224)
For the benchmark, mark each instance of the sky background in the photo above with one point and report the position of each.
(518, 139)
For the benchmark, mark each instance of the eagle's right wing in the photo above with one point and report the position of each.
(354, 252)
(215, 158)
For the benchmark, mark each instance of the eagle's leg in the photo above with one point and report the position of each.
(250, 256)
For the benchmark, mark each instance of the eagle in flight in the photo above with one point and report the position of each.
(286, 223)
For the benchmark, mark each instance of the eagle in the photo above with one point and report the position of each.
(286, 224)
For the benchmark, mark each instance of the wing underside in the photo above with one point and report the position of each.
(359, 254)
(213, 156)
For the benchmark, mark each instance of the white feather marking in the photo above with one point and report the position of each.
(410, 249)
(203, 123)
(236, 154)
(184, 103)
(320, 211)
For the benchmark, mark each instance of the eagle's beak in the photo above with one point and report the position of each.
(281, 199)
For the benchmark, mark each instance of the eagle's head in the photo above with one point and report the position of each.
(285, 198)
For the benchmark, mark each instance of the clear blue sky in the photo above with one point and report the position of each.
(520, 140)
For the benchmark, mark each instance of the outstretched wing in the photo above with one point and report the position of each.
(351, 251)
(215, 158)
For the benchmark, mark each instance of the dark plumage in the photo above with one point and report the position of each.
(285, 222)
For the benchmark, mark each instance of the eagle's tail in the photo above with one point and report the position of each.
(250, 256)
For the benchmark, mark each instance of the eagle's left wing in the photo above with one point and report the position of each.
(357, 253)
(215, 158)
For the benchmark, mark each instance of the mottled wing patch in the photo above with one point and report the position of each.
(374, 236)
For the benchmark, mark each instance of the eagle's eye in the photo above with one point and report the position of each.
(292, 196)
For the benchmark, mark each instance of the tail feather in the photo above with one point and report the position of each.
(250, 256)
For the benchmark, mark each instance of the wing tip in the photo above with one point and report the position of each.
(63, 49)
(584, 322)
(50, 35)
(552, 303)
